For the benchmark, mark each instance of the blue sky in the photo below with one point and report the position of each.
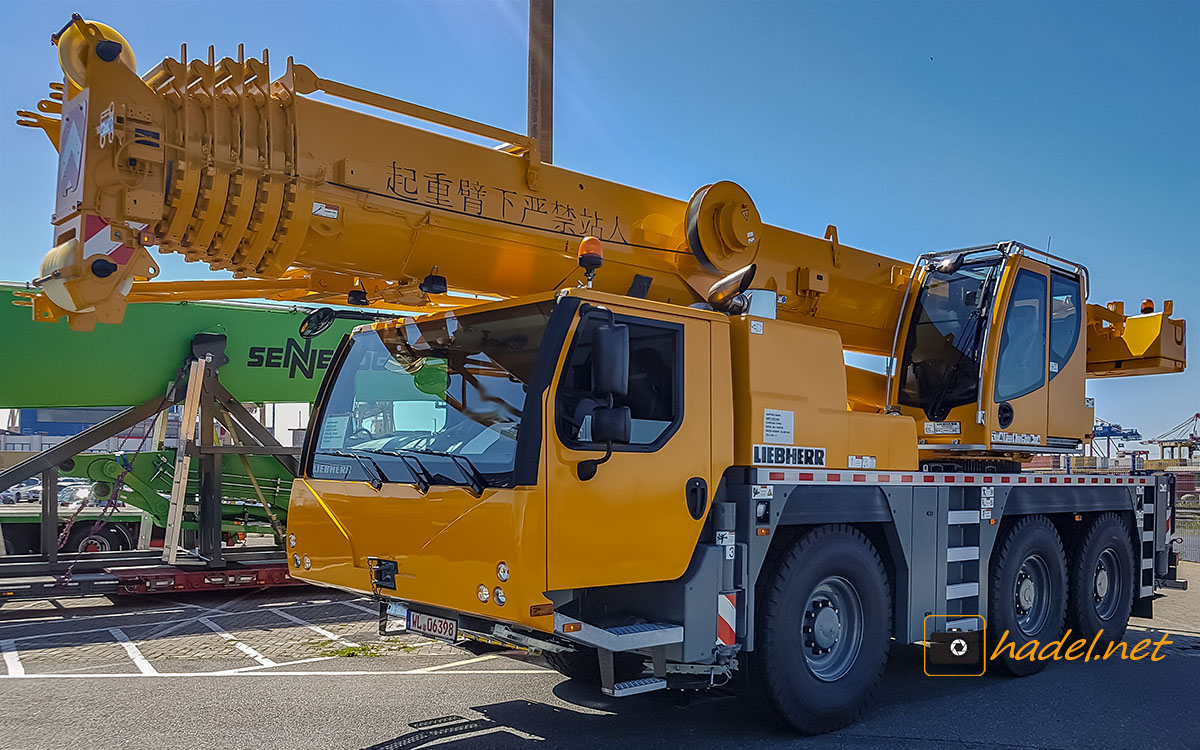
(1079, 120)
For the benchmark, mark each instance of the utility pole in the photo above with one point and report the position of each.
(541, 76)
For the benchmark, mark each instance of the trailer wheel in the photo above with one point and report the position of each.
(1102, 581)
(824, 631)
(1028, 594)
(106, 539)
(583, 665)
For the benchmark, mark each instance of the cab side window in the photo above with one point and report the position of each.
(655, 397)
(1066, 304)
(1021, 368)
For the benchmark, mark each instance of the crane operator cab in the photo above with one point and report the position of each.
(527, 433)
(992, 355)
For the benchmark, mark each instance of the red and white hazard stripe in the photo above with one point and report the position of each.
(98, 241)
(804, 476)
(726, 619)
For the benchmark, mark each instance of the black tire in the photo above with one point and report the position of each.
(106, 539)
(1028, 593)
(583, 665)
(1102, 581)
(830, 569)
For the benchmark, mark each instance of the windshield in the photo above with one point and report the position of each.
(940, 368)
(433, 402)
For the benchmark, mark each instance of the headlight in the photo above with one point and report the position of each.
(499, 596)
(502, 572)
(291, 540)
(307, 563)
(483, 593)
(295, 559)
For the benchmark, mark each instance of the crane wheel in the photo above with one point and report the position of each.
(1102, 581)
(824, 631)
(1028, 595)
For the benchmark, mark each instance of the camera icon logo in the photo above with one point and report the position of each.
(955, 646)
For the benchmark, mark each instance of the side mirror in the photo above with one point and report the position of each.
(610, 359)
(317, 322)
(612, 424)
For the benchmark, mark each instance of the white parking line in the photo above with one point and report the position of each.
(268, 673)
(309, 660)
(185, 620)
(139, 660)
(12, 659)
(315, 628)
(57, 616)
(437, 667)
(349, 603)
(238, 644)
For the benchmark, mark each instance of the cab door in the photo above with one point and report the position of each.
(1068, 419)
(637, 519)
(1018, 404)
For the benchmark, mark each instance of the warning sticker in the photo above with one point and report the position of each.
(726, 537)
(985, 513)
(943, 428)
(762, 492)
(862, 462)
(777, 426)
(333, 434)
(325, 210)
(987, 502)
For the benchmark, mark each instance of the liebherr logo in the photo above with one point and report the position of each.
(294, 356)
(785, 455)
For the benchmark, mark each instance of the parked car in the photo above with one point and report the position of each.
(29, 491)
(75, 494)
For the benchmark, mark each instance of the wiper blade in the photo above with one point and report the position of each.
(377, 476)
(420, 474)
(471, 471)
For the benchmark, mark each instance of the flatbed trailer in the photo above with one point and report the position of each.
(137, 572)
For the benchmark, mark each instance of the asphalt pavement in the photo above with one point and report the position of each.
(304, 668)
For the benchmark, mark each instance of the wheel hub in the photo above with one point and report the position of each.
(827, 627)
(1107, 588)
(1032, 593)
(1101, 583)
(833, 628)
(1026, 593)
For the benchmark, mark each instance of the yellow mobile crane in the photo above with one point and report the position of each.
(646, 458)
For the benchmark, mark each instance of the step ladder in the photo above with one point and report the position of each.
(962, 571)
(655, 636)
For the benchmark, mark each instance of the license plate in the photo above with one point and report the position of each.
(435, 627)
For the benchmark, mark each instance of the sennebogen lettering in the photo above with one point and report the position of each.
(294, 356)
